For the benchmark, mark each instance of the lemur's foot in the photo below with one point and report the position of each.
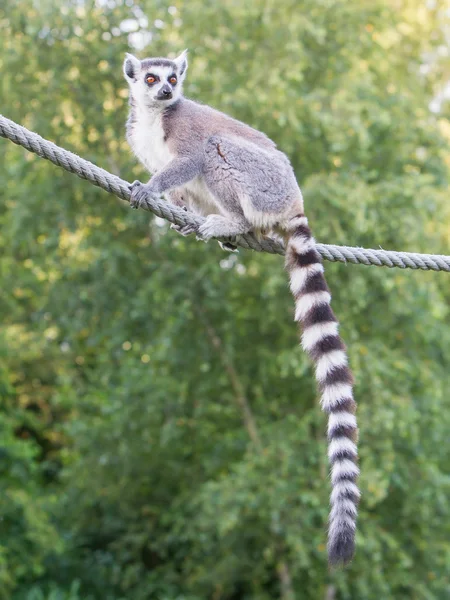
(183, 229)
(217, 226)
(228, 247)
(140, 192)
(133, 190)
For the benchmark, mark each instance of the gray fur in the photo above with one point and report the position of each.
(235, 167)
(149, 63)
(221, 165)
(188, 123)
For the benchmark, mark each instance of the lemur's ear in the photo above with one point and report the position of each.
(131, 67)
(182, 64)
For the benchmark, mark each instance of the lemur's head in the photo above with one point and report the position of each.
(155, 81)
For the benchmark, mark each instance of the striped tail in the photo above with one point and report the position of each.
(320, 339)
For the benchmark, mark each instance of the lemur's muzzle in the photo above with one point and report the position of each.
(165, 93)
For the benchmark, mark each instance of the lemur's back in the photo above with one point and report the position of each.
(195, 123)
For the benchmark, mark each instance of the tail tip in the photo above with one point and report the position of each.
(341, 550)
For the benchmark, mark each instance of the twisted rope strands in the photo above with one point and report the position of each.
(113, 184)
(385, 258)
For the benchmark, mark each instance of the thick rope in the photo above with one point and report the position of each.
(113, 184)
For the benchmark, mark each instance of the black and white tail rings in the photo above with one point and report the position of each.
(321, 340)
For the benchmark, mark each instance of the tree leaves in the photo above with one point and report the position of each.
(137, 365)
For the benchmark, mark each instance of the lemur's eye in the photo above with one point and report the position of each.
(150, 79)
(172, 80)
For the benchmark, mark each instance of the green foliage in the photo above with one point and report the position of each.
(55, 593)
(127, 468)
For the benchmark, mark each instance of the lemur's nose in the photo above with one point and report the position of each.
(166, 91)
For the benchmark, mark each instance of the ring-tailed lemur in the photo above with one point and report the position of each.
(235, 176)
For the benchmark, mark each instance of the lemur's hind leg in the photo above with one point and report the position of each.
(181, 198)
(217, 226)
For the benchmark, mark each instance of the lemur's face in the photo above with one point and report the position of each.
(155, 81)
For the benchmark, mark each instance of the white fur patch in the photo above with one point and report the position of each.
(341, 444)
(147, 140)
(343, 506)
(341, 419)
(297, 221)
(341, 488)
(339, 522)
(327, 362)
(199, 199)
(302, 244)
(257, 218)
(343, 468)
(318, 332)
(299, 275)
(334, 393)
(308, 301)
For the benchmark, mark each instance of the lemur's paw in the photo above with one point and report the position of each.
(213, 227)
(228, 247)
(133, 191)
(140, 192)
(183, 229)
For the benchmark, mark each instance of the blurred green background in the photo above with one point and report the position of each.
(160, 434)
